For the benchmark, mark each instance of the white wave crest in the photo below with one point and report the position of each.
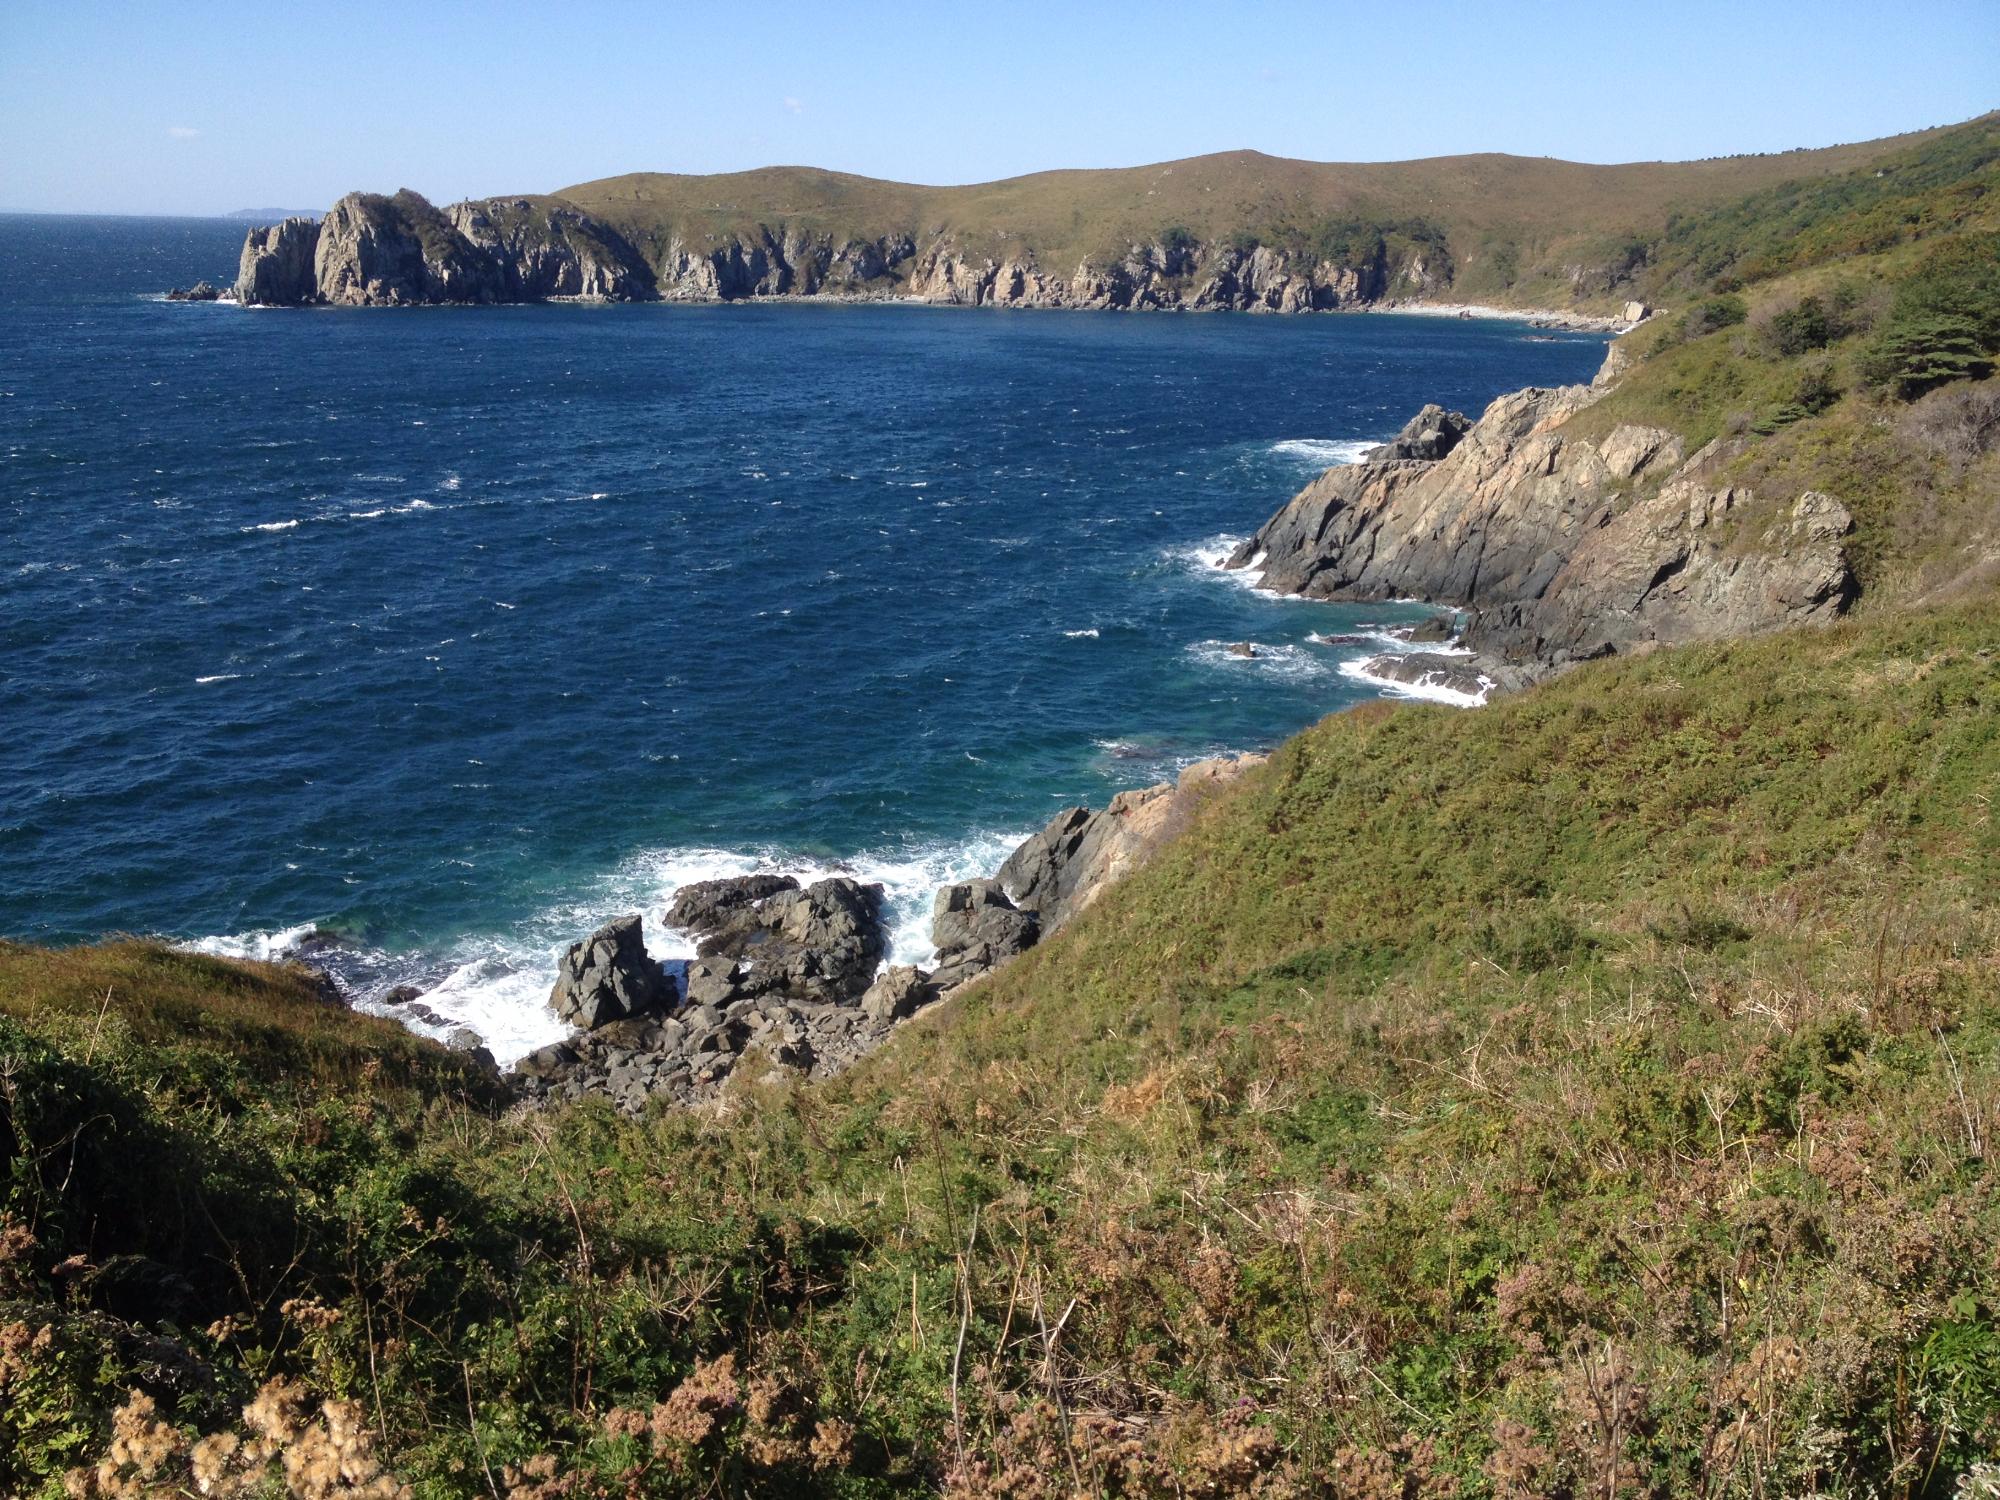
(1287, 661)
(1424, 687)
(1325, 453)
(271, 526)
(266, 946)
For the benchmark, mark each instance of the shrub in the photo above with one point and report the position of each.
(1713, 315)
(1958, 425)
(1801, 328)
(1917, 354)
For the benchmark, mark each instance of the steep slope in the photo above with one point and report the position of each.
(1591, 1095)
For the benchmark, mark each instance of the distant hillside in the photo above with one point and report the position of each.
(1239, 231)
(1506, 225)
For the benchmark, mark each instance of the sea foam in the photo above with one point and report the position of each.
(498, 984)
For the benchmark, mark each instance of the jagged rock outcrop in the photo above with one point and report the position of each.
(975, 927)
(374, 251)
(545, 251)
(762, 935)
(794, 975)
(608, 976)
(1562, 547)
(783, 972)
(1473, 677)
(899, 994)
(398, 251)
(276, 268)
(1429, 436)
(1070, 863)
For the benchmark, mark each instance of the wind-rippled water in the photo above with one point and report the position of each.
(457, 631)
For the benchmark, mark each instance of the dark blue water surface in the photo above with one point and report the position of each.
(458, 630)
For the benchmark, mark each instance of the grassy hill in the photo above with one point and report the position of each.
(1592, 1095)
(1516, 228)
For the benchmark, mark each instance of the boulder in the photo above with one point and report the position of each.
(1435, 631)
(1428, 436)
(978, 911)
(976, 928)
(707, 904)
(760, 935)
(608, 976)
(898, 994)
(201, 291)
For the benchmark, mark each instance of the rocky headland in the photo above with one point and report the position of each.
(400, 250)
(1558, 546)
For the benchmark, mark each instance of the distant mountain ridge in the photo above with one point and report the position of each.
(269, 215)
(1236, 230)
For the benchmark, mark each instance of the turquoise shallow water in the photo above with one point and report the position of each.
(459, 630)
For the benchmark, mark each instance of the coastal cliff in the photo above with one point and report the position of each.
(401, 250)
(1562, 547)
(375, 251)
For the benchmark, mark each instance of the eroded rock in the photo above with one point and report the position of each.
(608, 976)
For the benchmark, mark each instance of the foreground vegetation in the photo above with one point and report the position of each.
(1594, 1095)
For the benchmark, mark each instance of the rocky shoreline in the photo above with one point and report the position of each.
(1558, 547)
(371, 250)
(793, 975)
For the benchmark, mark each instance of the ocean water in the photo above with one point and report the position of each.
(456, 632)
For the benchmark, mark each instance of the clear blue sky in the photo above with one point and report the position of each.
(209, 105)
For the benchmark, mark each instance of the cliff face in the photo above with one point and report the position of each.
(371, 251)
(400, 250)
(276, 268)
(1563, 548)
(1157, 276)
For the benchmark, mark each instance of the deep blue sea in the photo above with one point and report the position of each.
(458, 631)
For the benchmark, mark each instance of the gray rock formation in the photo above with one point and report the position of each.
(1060, 871)
(547, 250)
(277, 265)
(609, 977)
(399, 250)
(201, 291)
(789, 975)
(898, 995)
(762, 936)
(1429, 435)
(1562, 547)
(1472, 676)
(974, 928)
(374, 251)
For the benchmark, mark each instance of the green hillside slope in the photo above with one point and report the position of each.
(1591, 1095)
(1513, 227)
